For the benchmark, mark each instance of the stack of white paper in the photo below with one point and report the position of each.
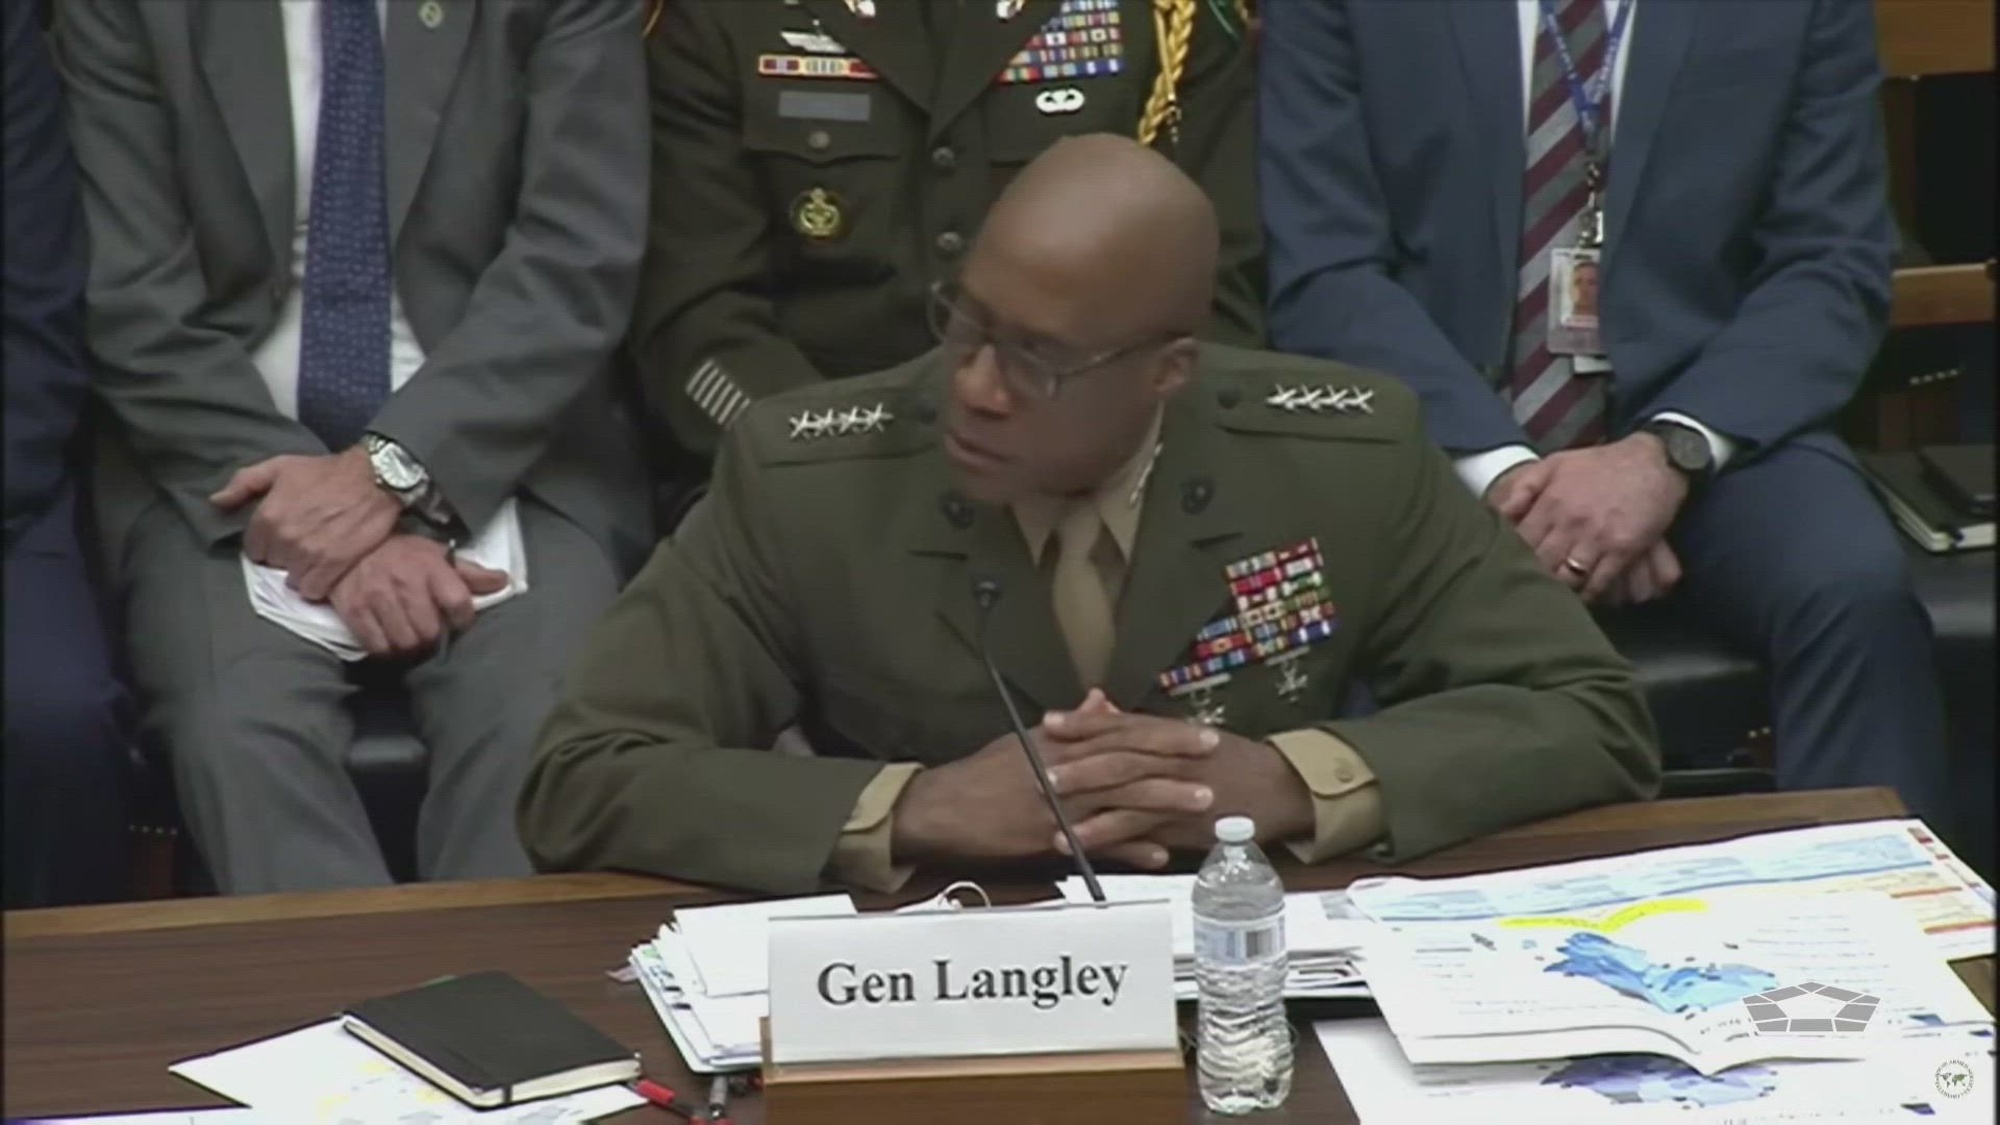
(707, 976)
(1714, 982)
(1323, 934)
(499, 547)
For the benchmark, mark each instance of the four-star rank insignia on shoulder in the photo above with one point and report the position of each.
(1340, 400)
(1281, 612)
(811, 425)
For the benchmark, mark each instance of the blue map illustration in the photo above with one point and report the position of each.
(1677, 989)
(1654, 1079)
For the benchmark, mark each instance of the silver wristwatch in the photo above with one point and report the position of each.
(401, 476)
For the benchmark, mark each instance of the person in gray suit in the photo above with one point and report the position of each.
(358, 269)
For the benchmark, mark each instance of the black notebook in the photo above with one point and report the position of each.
(1933, 521)
(491, 1041)
(1962, 475)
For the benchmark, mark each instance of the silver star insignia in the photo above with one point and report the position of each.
(845, 422)
(1353, 398)
(1286, 398)
(876, 419)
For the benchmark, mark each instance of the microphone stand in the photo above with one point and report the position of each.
(986, 594)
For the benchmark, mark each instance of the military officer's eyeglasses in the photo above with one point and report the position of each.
(1029, 368)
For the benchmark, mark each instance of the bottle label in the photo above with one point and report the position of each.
(1233, 943)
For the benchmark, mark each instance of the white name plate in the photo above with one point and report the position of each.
(1025, 980)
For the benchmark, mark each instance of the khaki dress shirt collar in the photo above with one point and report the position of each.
(1119, 501)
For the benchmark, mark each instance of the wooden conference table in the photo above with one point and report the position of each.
(100, 1000)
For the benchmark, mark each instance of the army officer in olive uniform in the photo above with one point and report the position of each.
(817, 164)
(1182, 555)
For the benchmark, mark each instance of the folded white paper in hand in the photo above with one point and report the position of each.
(497, 547)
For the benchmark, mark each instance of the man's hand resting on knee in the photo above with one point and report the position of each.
(399, 598)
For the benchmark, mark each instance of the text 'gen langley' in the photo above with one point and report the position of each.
(1045, 986)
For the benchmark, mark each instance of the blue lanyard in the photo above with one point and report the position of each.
(1588, 97)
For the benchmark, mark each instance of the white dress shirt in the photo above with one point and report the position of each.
(498, 546)
(1480, 470)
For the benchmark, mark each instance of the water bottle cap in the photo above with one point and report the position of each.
(1235, 830)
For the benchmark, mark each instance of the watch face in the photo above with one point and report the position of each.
(395, 472)
(1686, 449)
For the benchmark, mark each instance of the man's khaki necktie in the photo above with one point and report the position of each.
(1081, 593)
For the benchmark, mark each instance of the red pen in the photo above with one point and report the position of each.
(662, 1097)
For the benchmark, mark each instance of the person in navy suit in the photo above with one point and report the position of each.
(64, 750)
(1441, 181)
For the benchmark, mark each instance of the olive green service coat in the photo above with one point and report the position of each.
(818, 164)
(826, 580)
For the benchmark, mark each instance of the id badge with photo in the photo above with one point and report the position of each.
(1573, 284)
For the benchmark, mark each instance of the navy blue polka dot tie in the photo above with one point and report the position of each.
(344, 353)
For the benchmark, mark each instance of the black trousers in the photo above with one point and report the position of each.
(65, 750)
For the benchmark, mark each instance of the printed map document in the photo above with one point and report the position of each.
(1713, 982)
(1900, 858)
(1945, 1076)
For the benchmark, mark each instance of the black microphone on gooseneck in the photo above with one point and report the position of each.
(986, 595)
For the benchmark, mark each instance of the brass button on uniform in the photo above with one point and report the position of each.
(943, 158)
(950, 243)
(1343, 774)
(817, 140)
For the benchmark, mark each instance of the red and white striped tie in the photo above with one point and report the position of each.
(1558, 409)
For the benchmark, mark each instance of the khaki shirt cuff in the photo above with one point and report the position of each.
(1347, 803)
(862, 857)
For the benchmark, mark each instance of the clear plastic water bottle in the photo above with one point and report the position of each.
(1244, 1052)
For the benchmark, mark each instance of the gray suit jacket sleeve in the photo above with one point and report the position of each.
(191, 401)
(557, 299)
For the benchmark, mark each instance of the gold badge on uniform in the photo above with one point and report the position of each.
(817, 215)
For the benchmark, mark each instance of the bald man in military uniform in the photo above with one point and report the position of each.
(1180, 555)
(817, 164)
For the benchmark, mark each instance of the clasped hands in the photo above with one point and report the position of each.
(326, 523)
(1597, 518)
(1135, 787)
